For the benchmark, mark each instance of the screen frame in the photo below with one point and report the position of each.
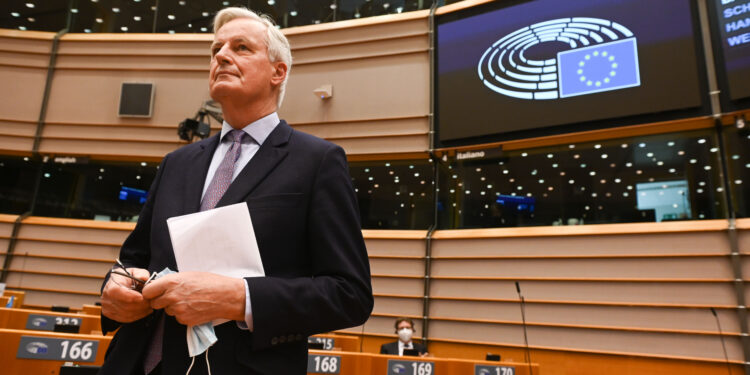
(458, 13)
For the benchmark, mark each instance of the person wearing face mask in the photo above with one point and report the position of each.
(405, 330)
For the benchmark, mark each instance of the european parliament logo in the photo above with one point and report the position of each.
(603, 56)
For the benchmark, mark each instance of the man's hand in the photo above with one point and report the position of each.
(195, 298)
(121, 303)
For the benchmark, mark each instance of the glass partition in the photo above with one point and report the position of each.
(17, 180)
(737, 141)
(394, 194)
(649, 178)
(109, 191)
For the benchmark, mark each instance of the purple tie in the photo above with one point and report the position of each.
(216, 189)
(223, 177)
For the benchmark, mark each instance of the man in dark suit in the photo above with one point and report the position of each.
(304, 214)
(405, 330)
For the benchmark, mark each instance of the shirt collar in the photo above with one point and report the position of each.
(258, 130)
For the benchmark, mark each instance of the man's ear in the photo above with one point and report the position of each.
(280, 70)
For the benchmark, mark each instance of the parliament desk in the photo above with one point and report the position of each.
(348, 363)
(44, 320)
(25, 352)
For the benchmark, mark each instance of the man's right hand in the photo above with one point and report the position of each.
(121, 303)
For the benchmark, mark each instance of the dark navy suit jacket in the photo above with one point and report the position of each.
(305, 216)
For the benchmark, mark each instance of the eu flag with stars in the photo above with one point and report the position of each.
(602, 67)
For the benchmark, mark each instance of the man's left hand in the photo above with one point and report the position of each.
(195, 298)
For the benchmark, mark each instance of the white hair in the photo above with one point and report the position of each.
(275, 40)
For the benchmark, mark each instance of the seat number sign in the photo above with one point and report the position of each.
(400, 367)
(39, 322)
(55, 349)
(494, 370)
(323, 364)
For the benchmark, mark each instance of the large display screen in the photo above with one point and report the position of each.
(732, 20)
(512, 66)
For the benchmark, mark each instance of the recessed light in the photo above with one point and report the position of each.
(86, 30)
(137, 18)
(124, 28)
(29, 5)
(15, 14)
(31, 19)
(116, 10)
(99, 20)
(204, 14)
(171, 16)
(21, 27)
(74, 10)
(271, 2)
(294, 13)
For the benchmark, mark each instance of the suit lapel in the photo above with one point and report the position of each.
(269, 155)
(196, 174)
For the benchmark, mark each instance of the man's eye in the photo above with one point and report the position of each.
(242, 47)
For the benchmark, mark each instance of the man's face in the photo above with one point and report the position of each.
(240, 68)
(403, 325)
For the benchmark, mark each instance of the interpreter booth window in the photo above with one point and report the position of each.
(394, 194)
(17, 180)
(652, 178)
(108, 191)
(737, 142)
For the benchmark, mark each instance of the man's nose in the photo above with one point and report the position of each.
(222, 56)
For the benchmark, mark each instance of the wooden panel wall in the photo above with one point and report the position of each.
(62, 261)
(379, 68)
(629, 293)
(625, 290)
(24, 57)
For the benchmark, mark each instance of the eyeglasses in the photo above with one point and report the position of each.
(136, 283)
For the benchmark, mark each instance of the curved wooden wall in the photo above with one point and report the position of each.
(379, 69)
(642, 290)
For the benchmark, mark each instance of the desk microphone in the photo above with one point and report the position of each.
(362, 336)
(723, 346)
(523, 320)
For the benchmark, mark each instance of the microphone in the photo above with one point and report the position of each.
(723, 346)
(523, 321)
(362, 336)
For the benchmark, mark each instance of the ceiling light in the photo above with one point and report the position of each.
(31, 19)
(143, 164)
(29, 5)
(182, 2)
(86, 30)
(702, 141)
(670, 144)
(21, 27)
(99, 20)
(171, 16)
(116, 10)
(124, 28)
(74, 10)
(15, 14)
(204, 30)
(138, 18)
(641, 145)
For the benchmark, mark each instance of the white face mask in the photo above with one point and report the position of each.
(405, 335)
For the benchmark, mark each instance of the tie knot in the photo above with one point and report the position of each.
(236, 136)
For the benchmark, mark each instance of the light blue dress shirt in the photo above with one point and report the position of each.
(258, 131)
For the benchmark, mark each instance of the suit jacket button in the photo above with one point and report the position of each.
(274, 341)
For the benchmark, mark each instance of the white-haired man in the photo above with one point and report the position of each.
(304, 214)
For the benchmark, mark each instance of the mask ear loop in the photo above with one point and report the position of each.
(208, 365)
(192, 362)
